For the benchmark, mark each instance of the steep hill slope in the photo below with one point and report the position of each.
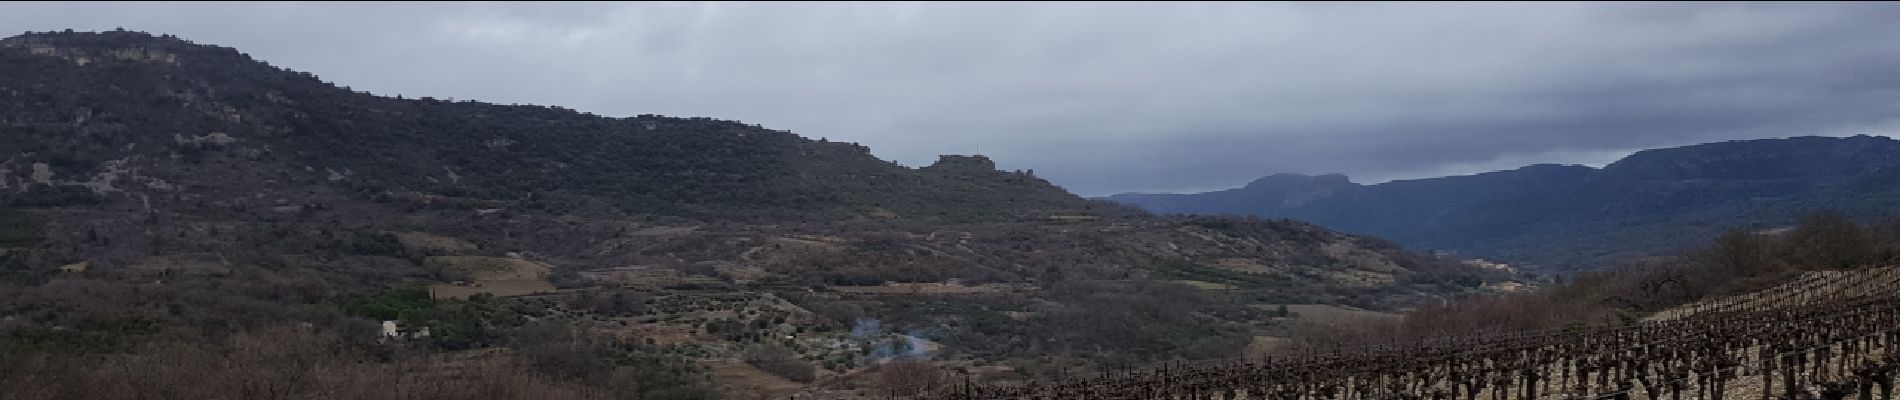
(109, 130)
(1570, 217)
(125, 111)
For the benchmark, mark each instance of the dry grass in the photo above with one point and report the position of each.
(1361, 278)
(185, 264)
(1021, 315)
(1246, 265)
(475, 268)
(498, 288)
(659, 333)
(921, 288)
(664, 231)
(743, 275)
(1319, 326)
(1205, 285)
(744, 381)
(1338, 315)
(810, 242)
(492, 275)
(426, 243)
(1265, 345)
(648, 277)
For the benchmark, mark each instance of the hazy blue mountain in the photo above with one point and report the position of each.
(1569, 217)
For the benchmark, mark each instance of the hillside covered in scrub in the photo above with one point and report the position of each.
(166, 198)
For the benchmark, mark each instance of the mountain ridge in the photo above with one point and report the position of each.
(308, 130)
(1517, 214)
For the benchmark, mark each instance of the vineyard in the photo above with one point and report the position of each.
(1828, 335)
(1811, 287)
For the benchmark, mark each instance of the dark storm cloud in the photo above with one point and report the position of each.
(1103, 98)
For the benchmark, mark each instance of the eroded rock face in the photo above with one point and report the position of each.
(218, 138)
(971, 163)
(84, 56)
(42, 174)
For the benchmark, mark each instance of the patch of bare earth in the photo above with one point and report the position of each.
(742, 381)
(431, 244)
(921, 288)
(493, 275)
(1336, 315)
(1246, 265)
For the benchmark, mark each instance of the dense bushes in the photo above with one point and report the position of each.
(1143, 318)
(1136, 321)
(51, 196)
(453, 324)
(390, 304)
(19, 229)
(96, 340)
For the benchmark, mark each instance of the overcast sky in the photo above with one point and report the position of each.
(1106, 98)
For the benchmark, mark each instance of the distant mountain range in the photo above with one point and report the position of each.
(1568, 217)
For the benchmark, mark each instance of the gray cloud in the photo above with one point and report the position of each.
(1104, 98)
